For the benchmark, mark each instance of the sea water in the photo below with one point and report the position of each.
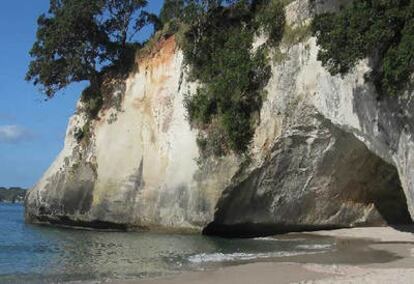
(38, 254)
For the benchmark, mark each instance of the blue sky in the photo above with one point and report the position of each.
(31, 129)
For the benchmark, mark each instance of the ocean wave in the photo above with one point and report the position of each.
(314, 246)
(229, 257)
(266, 239)
(278, 240)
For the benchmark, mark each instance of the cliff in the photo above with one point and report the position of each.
(326, 153)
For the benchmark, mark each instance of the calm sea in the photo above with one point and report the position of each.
(35, 254)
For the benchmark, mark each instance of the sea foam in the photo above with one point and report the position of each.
(230, 257)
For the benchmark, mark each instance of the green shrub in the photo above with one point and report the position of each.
(218, 49)
(92, 101)
(382, 30)
(270, 17)
(83, 134)
(79, 134)
(171, 10)
(294, 35)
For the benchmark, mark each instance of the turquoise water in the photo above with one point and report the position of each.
(36, 254)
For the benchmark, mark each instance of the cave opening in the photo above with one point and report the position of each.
(391, 202)
(335, 182)
(374, 181)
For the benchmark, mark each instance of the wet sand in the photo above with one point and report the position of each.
(362, 255)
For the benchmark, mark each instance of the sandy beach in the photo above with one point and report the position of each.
(364, 255)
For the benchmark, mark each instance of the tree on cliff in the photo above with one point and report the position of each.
(171, 10)
(76, 39)
(381, 30)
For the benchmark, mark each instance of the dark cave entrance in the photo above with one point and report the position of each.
(391, 202)
(375, 182)
(369, 180)
(346, 185)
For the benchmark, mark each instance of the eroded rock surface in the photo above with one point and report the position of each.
(327, 153)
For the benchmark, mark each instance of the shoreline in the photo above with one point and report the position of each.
(364, 255)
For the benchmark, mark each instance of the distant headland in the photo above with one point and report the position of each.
(12, 194)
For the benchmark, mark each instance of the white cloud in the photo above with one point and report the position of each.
(14, 134)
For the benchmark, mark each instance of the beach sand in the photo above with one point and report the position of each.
(363, 255)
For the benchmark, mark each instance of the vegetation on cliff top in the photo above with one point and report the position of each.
(78, 41)
(217, 42)
(90, 40)
(381, 30)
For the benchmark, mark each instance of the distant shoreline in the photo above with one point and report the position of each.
(12, 194)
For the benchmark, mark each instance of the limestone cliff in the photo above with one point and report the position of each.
(325, 154)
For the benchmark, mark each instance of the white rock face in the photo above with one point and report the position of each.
(326, 154)
(142, 159)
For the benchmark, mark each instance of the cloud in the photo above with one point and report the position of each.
(13, 134)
